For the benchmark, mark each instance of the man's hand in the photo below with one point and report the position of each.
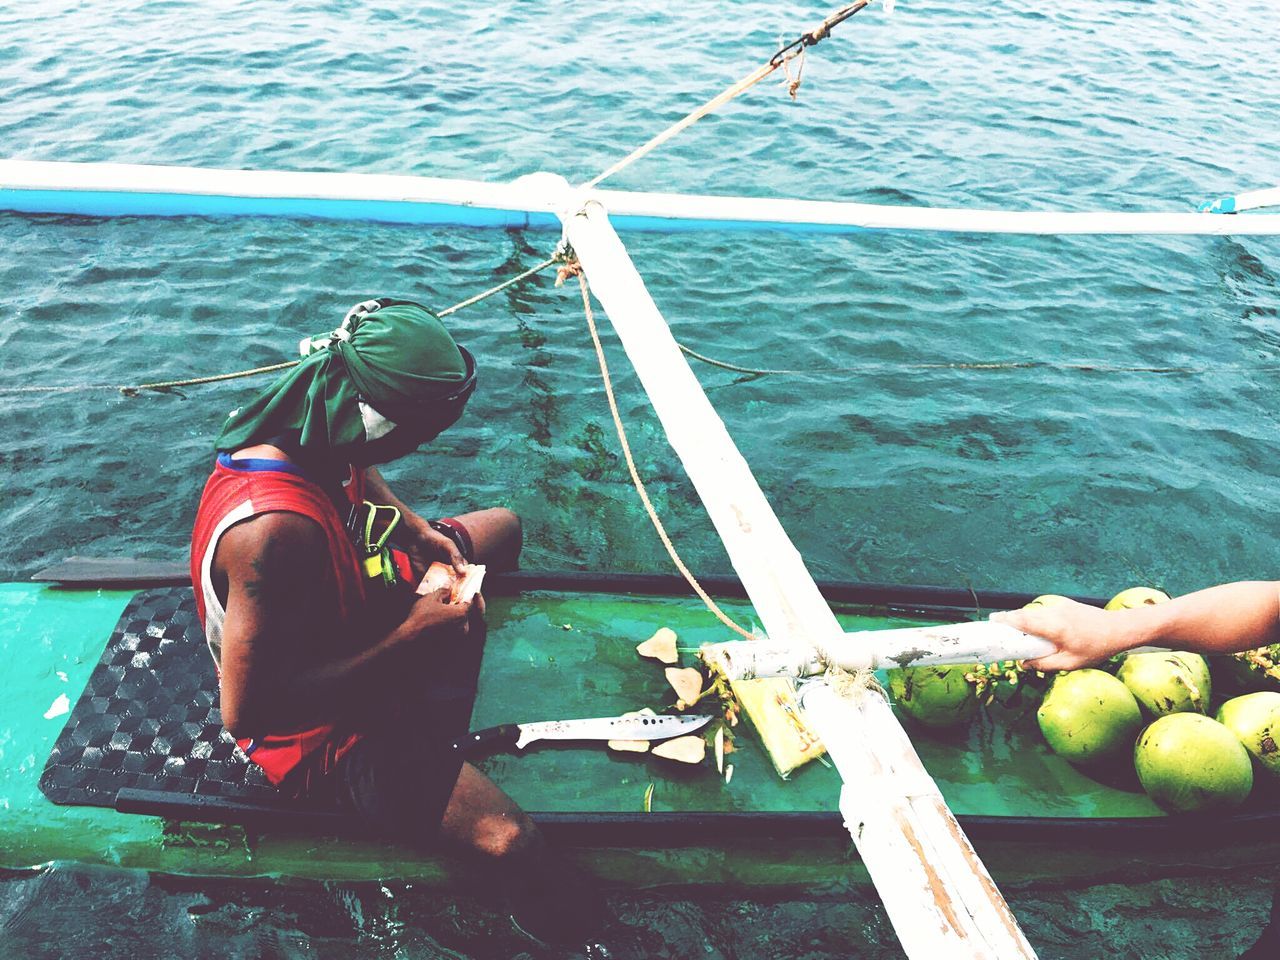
(426, 545)
(1084, 635)
(1222, 619)
(433, 619)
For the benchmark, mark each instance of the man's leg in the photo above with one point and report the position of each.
(549, 898)
(495, 536)
(480, 817)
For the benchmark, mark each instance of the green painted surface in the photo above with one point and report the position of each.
(536, 669)
(548, 657)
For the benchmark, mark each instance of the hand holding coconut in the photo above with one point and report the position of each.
(1222, 619)
(1084, 635)
(1186, 761)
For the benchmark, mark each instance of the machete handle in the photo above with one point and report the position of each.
(489, 739)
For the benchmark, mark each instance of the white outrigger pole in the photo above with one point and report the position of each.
(940, 898)
(123, 189)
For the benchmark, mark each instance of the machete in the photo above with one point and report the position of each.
(520, 735)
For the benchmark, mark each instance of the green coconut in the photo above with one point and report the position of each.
(1089, 715)
(1136, 597)
(1189, 763)
(936, 697)
(1165, 683)
(1250, 670)
(1255, 719)
(1045, 600)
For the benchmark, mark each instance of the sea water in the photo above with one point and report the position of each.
(889, 455)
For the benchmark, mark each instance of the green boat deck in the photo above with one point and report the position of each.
(555, 655)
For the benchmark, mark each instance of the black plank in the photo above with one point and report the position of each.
(946, 602)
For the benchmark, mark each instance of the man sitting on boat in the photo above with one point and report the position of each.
(336, 678)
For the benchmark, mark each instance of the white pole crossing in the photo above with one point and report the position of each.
(942, 902)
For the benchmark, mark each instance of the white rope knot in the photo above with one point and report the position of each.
(853, 686)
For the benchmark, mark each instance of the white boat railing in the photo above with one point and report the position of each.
(140, 190)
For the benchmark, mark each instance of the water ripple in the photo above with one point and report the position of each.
(881, 472)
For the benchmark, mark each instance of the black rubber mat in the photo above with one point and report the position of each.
(148, 722)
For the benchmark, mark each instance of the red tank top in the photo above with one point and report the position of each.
(236, 491)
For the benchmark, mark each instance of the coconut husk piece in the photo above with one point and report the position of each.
(629, 746)
(462, 587)
(689, 749)
(687, 683)
(468, 585)
(439, 576)
(661, 646)
(633, 746)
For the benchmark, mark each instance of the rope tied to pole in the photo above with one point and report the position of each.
(855, 685)
(793, 83)
(573, 268)
(816, 35)
(786, 53)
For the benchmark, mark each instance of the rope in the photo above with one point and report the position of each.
(499, 288)
(787, 53)
(994, 366)
(991, 365)
(168, 385)
(723, 617)
(163, 385)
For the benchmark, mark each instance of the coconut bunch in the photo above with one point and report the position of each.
(1157, 709)
(1007, 683)
(947, 697)
(934, 696)
(1154, 710)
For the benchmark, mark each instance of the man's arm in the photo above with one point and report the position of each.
(278, 617)
(1222, 619)
(425, 543)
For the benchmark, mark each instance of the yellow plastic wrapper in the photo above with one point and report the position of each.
(770, 704)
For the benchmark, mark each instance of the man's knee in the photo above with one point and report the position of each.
(510, 535)
(502, 836)
(511, 525)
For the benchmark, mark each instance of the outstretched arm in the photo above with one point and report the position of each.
(1222, 619)
(278, 617)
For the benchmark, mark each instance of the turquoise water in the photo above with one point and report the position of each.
(1030, 479)
(1037, 479)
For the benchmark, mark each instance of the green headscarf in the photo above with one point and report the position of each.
(388, 359)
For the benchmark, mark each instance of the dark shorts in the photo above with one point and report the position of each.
(399, 774)
(397, 780)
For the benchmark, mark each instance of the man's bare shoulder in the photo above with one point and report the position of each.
(285, 548)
